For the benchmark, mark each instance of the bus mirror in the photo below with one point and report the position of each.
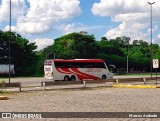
(112, 68)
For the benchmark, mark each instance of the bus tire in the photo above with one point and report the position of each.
(73, 78)
(104, 77)
(66, 78)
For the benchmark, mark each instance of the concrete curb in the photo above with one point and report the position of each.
(133, 86)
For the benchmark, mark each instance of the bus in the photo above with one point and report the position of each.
(76, 69)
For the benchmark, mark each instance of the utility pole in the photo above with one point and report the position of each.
(9, 41)
(151, 3)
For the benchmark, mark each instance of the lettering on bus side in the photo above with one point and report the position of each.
(47, 69)
(93, 69)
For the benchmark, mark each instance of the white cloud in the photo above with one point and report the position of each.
(43, 15)
(127, 29)
(154, 29)
(43, 42)
(77, 27)
(13, 28)
(133, 16)
(33, 27)
(53, 9)
(113, 7)
(18, 8)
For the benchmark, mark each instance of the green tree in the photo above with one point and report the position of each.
(74, 45)
(22, 53)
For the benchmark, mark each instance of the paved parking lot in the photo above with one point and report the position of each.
(36, 81)
(100, 99)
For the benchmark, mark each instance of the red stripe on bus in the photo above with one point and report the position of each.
(79, 74)
(67, 71)
(84, 74)
(63, 70)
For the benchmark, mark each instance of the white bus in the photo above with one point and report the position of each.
(76, 69)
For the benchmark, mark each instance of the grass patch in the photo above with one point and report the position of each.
(2, 80)
(1, 85)
(138, 74)
(7, 93)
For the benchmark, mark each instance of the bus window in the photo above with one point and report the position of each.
(47, 62)
(80, 65)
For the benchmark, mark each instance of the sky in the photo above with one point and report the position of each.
(42, 21)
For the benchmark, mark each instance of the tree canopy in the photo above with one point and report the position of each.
(28, 62)
(22, 53)
(115, 51)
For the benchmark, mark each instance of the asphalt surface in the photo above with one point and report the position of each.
(101, 99)
(34, 83)
(27, 81)
(84, 100)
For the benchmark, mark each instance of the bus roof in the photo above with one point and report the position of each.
(78, 60)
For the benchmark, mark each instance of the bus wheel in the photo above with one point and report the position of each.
(103, 76)
(73, 78)
(66, 78)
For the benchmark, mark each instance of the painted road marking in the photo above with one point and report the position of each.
(133, 86)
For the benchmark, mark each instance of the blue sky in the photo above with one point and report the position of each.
(42, 21)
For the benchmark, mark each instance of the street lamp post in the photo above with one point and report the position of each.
(127, 63)
(151, 3)
(127, 56)
(9, 40)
